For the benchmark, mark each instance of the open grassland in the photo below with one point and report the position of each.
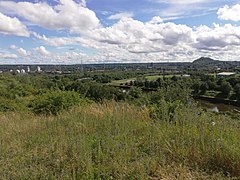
(122, 81)
(154, 78)
(149, 78)
(119, 141)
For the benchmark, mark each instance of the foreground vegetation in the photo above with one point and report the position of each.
(57, 127)
(116, 140)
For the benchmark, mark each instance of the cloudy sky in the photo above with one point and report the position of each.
(97, 31)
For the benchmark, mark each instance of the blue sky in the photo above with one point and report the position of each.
(96, 31)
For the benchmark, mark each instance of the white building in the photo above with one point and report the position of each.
(225, 74)
(186, 75)
(39, 69)
(23, 71)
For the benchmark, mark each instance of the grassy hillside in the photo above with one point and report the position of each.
(119, 141)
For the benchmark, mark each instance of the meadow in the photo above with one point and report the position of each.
(116, 140)
(147, 77)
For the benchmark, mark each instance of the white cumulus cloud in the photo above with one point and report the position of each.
(120, 15)
(229, 13)
(67, 15)
(42, 51)
(128, 39)
(22, 52)
(217, 38)
(8, 56)
(13, 46)
(12, 26)
(156, 20)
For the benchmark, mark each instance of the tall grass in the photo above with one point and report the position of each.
(118, 141)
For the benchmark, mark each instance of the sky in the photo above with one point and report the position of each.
(118, 31)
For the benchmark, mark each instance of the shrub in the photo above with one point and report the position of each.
(98, 93)
(135, 92)
(171, 94)
(7, 105)
(165, 110)
(54, 102)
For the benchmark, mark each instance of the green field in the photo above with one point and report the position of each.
(150, 78)
(122, 81)
(153, 78)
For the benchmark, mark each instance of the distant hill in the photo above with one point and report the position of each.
(205, 61)
(211, 64)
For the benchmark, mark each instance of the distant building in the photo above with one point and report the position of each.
(22, 71)
(58, 72)
(225, 74)
(28, 69)
(18, 71)
(39, 69)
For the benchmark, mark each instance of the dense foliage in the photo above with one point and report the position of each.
(54, 102)
(19, 92)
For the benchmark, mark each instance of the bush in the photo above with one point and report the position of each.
(135, 92)
(98, 93)
(54, 102)
(164, 110)
(7, 105)
(171, 94)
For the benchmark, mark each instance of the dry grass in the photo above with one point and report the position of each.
(118, 141)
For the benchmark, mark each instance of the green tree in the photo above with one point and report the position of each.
(203, 88)
(225, 88)
(54, 102)
(212, 84)
(196, 88)
(237, 90)
(135, 92)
